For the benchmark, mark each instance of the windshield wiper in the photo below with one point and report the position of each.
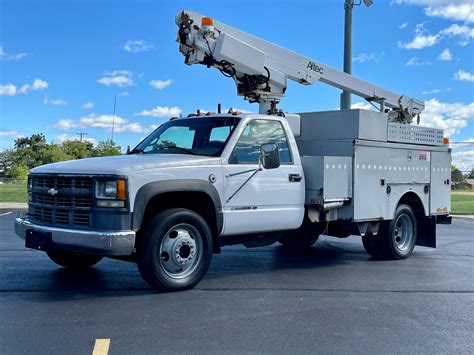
(185, 150)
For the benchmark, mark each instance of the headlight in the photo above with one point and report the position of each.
(106, 189)
(110, 190)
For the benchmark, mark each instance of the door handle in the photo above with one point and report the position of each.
(294, 177)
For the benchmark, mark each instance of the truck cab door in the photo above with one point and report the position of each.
(272, 199)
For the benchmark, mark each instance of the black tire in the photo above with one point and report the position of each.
(370, 245)
(396, 238)
(303, 237)
(175, 250)
(73, 260)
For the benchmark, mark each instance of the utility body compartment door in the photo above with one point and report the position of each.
(383, 173)
(440, 191)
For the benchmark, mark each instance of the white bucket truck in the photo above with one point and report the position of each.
(200, 182)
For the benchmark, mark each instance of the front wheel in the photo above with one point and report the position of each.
(72, 260)
(175, 250)
(396, 239)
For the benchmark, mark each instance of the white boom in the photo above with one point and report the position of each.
(261, 69)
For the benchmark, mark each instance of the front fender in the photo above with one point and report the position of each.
(152, 189)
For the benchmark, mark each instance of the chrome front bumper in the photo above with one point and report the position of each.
(96, 242)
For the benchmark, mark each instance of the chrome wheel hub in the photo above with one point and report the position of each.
(180, 251)
(403, 232)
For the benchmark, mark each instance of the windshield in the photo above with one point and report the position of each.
(196, 136)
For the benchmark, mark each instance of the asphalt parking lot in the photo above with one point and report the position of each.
(332, 298)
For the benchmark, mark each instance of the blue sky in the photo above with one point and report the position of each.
(62, 62)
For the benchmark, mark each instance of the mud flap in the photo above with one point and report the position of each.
(426, 232)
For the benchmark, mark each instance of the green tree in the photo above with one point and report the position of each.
(107, 148)
(470, 175)
(30, 150)
(18, 171)
(35, 141)
(7, 158)
(76, 149)
(54, 153)
(456, 174)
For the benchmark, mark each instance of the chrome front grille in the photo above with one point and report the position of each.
(66, 182)
(61, 201)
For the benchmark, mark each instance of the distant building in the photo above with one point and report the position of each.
(469, 184)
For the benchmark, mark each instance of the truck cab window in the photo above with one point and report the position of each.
(197, 136)
(180, 136)
(258, 132)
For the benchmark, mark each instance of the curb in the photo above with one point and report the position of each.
(13, 205)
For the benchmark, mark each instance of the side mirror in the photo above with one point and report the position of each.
(269, 156)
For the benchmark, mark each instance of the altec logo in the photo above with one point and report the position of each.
(314, 67)
(52, 191)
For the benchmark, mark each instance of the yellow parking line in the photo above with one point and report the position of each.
(101, 347)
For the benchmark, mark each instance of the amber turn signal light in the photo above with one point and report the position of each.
(121, 190)
(207, 21)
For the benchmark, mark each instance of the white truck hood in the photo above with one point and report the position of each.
(123, 164)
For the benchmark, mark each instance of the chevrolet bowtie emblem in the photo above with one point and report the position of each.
(52, 191)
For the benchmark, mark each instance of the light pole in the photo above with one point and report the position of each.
(113, 119)
(348, 5)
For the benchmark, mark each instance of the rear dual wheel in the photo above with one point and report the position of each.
(396, 238)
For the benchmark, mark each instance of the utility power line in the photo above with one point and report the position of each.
(81, 134)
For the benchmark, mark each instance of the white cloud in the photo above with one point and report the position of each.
(160, 84)
(58, 102)
(466, 143)
(455, 12)
(118, 78)
(364, 57)
(420, 41)
(429, 2)
(11, 134)
(415, 61)
(55, 102)
(137, 46)
(424, 40)
(403, 25)
(37, 84)
(8, 90)
(12, 90)
(160, 111)
(124, 93)
(363, 105)
(465, 32)
(463, 76)
(6, 56)
(452, 117)
(105, 122)
(445, 55)
(429, 92)
(464, 160)
(88, 105)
